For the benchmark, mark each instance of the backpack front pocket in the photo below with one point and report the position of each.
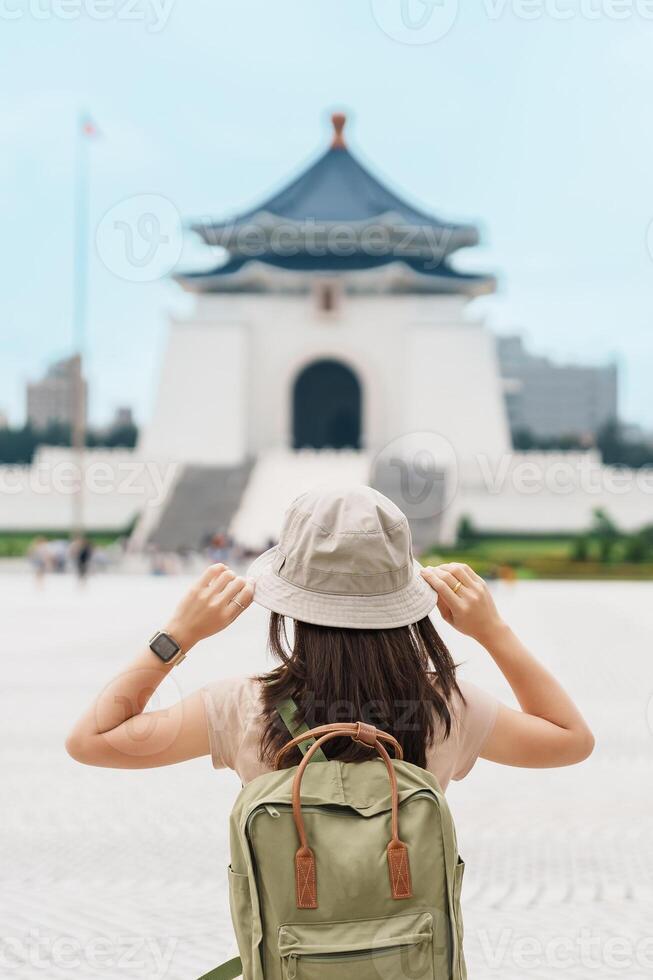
(396, 948)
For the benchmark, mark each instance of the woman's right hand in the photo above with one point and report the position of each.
(464, 601)
(117, 732)
(213, 603)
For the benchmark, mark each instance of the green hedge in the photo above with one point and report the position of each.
(538, 562)
(17, 544)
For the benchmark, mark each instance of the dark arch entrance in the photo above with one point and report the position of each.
(327, 407)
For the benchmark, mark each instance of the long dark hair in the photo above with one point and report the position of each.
(401, 680)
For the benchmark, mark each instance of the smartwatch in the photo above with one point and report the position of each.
(166, 648)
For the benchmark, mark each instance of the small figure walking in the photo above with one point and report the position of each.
(39, 556)
(82, 551)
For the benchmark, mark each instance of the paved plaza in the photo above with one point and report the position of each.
(120, 875)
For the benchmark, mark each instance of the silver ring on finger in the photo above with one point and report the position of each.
(239, 604)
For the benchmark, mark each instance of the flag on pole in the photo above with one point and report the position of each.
(86, 131)
(88, 127)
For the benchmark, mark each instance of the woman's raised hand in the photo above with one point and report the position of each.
(464, 600)
(214, 602)
(117, 732)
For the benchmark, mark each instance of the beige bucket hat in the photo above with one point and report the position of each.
(345, 559)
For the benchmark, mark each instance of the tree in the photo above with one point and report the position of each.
(637, 548)
(466, 533)
(17, 446)
(525, 439)
(605, 531)
(617, 450)
(580, 549)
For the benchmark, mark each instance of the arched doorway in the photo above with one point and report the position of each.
(327, 407)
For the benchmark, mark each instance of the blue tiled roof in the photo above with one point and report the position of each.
(301, 229)
(232, 270)
(335, 263)
(336, 189)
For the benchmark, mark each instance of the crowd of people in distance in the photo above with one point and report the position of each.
(216, 546)
(60, 555)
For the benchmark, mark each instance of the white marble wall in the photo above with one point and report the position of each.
(227, 378)
(117, 486)
(200, 410)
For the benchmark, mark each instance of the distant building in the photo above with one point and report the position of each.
(633, 433)
(4, 420)
(123, 418)
(551, 400)
(52, 400)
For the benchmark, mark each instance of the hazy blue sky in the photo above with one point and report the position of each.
(540, 129)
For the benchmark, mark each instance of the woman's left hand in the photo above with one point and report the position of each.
(464, 600)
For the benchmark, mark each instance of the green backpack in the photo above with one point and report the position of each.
(344, 870)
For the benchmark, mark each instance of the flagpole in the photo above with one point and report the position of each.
(80, 291)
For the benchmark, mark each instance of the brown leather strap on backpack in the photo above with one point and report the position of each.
(358, 730)
(397, 852)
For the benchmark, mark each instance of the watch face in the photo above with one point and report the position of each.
(164, 647)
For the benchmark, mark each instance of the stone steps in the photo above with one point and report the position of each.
(202, 502)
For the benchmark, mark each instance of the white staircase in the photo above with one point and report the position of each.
(280, 475)
(201, 502)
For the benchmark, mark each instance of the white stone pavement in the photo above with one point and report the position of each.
(117, 875)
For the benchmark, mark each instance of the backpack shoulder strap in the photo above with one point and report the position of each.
(288, 712)
(228, 970)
